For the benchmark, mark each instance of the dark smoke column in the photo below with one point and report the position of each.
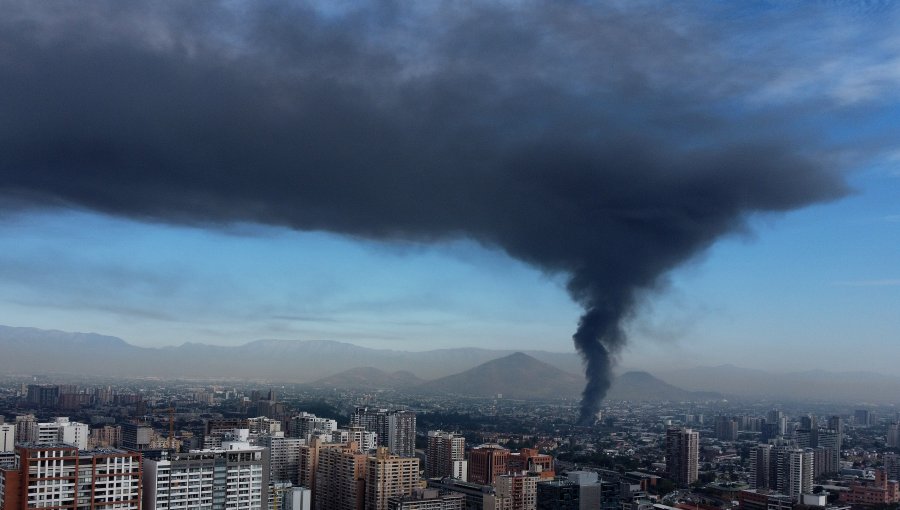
(597, 339)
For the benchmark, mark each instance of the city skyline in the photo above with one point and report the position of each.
(803, 268)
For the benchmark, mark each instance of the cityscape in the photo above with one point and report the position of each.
(361, 440)
(444, 255)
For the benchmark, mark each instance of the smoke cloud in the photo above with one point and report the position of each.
(609, 144)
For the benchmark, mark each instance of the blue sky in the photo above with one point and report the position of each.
(819, 287)
(166, 249)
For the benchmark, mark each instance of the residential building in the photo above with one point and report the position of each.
(760, 466)
(682, 455)
(445, 455)
(62, 476)
(340, 478)
(389, 476)
(7, 437)
(366, 440)
(517, 491)
(234, 477)
(305, 425)
(396, 430)
(893, 435)
(284, 457)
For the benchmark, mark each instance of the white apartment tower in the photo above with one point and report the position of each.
(234, 477)
(7, 437)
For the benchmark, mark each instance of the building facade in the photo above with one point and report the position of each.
(62, 476)
(389, 476)
(682, 455)
(446, 455)
(230, 478)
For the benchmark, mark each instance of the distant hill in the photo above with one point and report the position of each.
(368, 377)
(821, 385)
(522, 376)
(37, 351)
(639, 386)
(515, 376)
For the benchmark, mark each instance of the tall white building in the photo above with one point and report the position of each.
(234, 477)
(306, 425)
(799, 474)
(7, 437)
(366, 440)
(60, 430)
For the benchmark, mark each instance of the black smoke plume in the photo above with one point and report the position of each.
(598, 142)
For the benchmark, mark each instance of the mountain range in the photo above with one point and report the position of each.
(516, 376)
(30, 351)
(37, 351)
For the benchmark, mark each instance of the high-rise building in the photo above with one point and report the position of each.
(446, 455)
(43, 395)
(7, 437)
(486, 462)
(862, 418)
(682, 455)
(726, 428)
(892, 466)
(366, 440)
(284, 457)
(799, 474)
(893, 435)
(105, 437)
(517, 491)
(305, 425)
(61, 476)
(234, 477)
(558, 495)
(830, 444)
(836, 423)
(136, 437)
(396, 429)
(340, 479)
(777, 418)
(309, 463)
(760, 466)
(26, 428)
(402, 433)
(389, 476)
(60, 430)
(591, 491)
